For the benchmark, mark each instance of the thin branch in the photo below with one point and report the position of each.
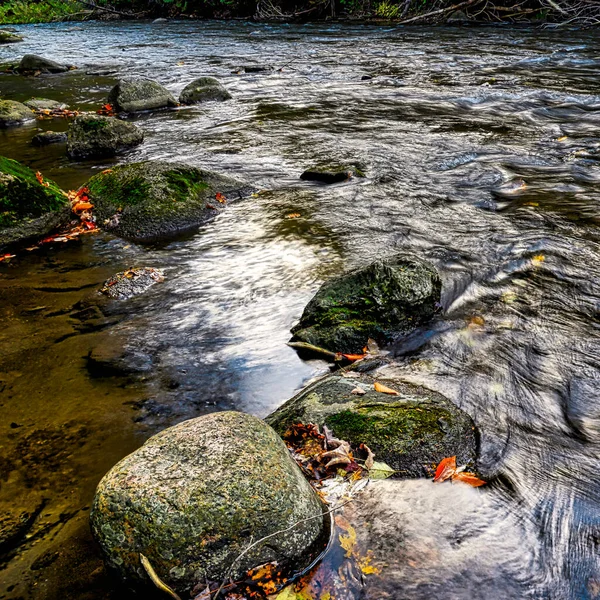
(441, 11)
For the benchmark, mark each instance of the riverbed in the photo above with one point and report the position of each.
(480, 149)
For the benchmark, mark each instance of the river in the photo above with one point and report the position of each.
(481, 150)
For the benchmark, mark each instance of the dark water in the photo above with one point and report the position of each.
(481, 149)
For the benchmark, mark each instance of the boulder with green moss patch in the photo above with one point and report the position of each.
(203, 89)
(28, 209)
(196, 495)
(380, 301)
(136, 94)
(8, 37)
(95, 136)
(411, 432)
(152, 200)
(14, 113)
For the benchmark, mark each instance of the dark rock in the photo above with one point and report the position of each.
(380, 301)
(331, 173)
(49, 137)
(366, 78)
(14, 113)
(257, 68)
(110, 358)
(28, 210)
(196, 495)
(137, 94)
(7, 37)
(203, 90)
(44, 104)
(15, 523)
(411, 432)
(32, 62)
(95, 136)
(152, 200)
(131, 282)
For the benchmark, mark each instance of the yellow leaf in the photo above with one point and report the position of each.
(561, 139)
(538, 259)
(379, 387)
(287, 593)
(325, 596)
(347, 542)
(366, 564)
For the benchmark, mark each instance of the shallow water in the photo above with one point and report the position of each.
(481, 150)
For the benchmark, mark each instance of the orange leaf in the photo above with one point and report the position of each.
(446, 469)
(468, 478)
(292, 216)
(379, 387)
(353, 357)
(220, 198)
(83, 206)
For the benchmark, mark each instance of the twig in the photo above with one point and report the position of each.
(311, 348)
(94, 6)
(156, 580)
(267, 537)
(441, 11)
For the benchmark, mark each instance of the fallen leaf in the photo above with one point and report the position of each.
(379, 387)
(446, 469)
(538, 259)
(562, 138)
(366, 565)
(380, 470)
(292, 216)
(370, 457)
(358, 391)
(347, 542)
(287, 593)
(341, 455)
(7, 257)
(354, 357)
(82, 206)
(220, 198)
(477, 320)
(468, 478)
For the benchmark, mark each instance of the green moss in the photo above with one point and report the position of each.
(93, 125)
(22, 197)
(185, 183)
(119, 191)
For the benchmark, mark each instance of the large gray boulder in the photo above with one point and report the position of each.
(203, 89)
(33, 62)
(196, 495)
(411, 432)
(14, 113)
(152, 200)
(28, 209)
(136, 94)
(95, 136)
(379, 301)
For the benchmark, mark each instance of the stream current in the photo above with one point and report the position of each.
(481, 150)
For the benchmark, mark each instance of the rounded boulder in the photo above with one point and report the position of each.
(196, 495)
(204, 89)
(137, 94)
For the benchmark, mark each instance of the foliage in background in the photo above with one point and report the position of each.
(22, 11)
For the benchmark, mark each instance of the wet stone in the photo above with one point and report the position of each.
(14, 113)
(33, 62)
(44, 104)
(204, 89)
(8, 37)
(137, 94)
(132, 282)
(331, 173)
(49, 137)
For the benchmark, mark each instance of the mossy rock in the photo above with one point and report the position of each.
(381, 301)
(137, 94)
(28, 210)
(14, 113)
(196, 495)
(95, 136)
(44, 104)
(153, 200)
(204, 89)
(8, 37)
(33, 62)
(411, 432)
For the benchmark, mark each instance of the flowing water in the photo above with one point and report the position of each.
(481, 150)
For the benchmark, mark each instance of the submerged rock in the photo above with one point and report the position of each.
(14, 113)
(28, 209)
(49, 137)
(132, 282)
(151, 200)
(195, 496)
(411, 432)
(8, 37)
(379, 301)
(331, 173)
(44, 104)
(33, 62)
(203, 90)
(95, 136)
(257, 68)
(136, 94)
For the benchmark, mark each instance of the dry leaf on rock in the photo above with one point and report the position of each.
(379, 387)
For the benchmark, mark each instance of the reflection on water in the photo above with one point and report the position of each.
(481, 150)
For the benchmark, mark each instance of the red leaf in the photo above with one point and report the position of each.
(353, 357)
(446, 469)
(468, 478)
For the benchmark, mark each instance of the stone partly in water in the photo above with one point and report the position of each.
(33, 62)
(8, 37)
(137, 94)
(131, 282)
(14, 113)
(49, 137)
(28, 209)
(152, 200)
(332, 173)
(95, 136)
(44, 104)
(196, 495)
(379, 301)
(411, 432)
(203, 90)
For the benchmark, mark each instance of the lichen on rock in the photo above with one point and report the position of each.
(204, 89)
(14, 113)
(136, 94)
